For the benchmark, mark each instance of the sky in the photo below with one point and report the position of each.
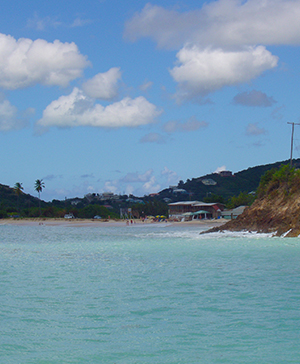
(133, 96)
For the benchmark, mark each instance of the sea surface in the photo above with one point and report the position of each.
(154, 293)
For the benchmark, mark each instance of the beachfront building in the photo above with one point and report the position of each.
(234, 213)
(189, 210)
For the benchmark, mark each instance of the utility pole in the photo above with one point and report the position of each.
(292, 142)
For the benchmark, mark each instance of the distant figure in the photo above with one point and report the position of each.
(127, 222)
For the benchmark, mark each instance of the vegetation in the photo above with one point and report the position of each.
(243, 199)
(277, 208)
(151, 208)
(18, 190)
(39, 185)
(240, 189)
(285, 177)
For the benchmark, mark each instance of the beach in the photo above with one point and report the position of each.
(111, 222)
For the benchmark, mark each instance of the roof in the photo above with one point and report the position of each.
(186, 203)
(200, 212)
(236, 211)
(208, 203)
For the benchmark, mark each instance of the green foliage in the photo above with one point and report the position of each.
(243, 199)
(3, 214)
(284, 177)
(214, 198)
(39, 185)
(90, 211)
(151, 208)
(18, 188)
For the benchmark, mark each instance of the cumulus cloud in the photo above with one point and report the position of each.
(223, 43)
(253, 129)
(104, 85)
(77, 109)
(153, 138)
(172, 177)
(111, 186)
(147, 179)
(134, 183)
(151, 186)
(222, 23)
(138, 177)
(204, 71)
(253, 98)
(10, 118)
(192, 124)
(25, 62)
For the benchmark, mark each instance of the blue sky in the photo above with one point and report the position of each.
(131, 97)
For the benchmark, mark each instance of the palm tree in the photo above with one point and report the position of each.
(39, 185)
(18, 190)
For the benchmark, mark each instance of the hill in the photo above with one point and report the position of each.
(243, 181)
(277, 208)
(12, 203)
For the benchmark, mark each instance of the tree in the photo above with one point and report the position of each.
(18, 190)
(39, 185)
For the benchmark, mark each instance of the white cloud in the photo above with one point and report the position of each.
(151, 186)
(253, 129)
(204, 71)
(172, 177)
(220, 169)
(220, 23)
(253, 98)
(192, 124)
(111, 186)
(134, 183)
(137, 177)
(24, 62)
(104, 85)
(9, 117)
(223, 43)
(148, 180)
(77, 109)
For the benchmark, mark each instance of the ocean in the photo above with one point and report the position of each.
(153, 293)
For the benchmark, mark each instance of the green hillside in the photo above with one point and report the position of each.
(243, 181)
(221, 189)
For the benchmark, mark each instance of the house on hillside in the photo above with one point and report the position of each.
(225, 173)
(189, 210)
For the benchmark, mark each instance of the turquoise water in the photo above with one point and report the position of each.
(147, 294)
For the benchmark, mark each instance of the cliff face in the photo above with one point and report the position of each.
(277, 213)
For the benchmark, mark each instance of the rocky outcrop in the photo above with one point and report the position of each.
(277, 212)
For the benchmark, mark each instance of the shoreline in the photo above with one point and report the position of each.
(93, 222)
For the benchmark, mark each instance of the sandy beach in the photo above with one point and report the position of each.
(94, 222)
